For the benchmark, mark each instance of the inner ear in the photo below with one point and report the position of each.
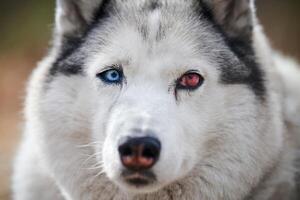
(235, 17)
(74, 16)
(69, 19)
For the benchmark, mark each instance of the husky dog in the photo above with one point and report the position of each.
(160, 99)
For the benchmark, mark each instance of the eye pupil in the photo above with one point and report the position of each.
(190, 81)
(114, 75)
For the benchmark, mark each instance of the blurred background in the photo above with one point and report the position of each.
(25, 32)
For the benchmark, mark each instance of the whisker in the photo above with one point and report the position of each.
(92, 144)
(95, 167)
(102, 172)
(93, 156)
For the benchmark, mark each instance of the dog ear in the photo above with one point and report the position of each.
(74, 16)
(235, 17)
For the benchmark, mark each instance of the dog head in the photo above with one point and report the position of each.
(172, 87)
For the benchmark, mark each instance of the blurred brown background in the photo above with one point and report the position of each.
(25, 31)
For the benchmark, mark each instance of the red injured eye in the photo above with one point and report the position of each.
(190, 81)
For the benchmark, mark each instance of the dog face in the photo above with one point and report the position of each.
(152, 89)
(170, 86)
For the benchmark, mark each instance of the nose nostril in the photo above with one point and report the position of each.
(149, 152)
(126, 151)
(140, 153)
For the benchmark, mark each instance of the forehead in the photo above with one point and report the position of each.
(162, 31)
(141, 32)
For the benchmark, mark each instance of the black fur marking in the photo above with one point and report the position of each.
(154, 4)
(103, 12)
(143, 29)
(160, 33)
(243, 49)
(255, 78)
(62, 65)
(67, 65)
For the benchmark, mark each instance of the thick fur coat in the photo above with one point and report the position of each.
(234, 137)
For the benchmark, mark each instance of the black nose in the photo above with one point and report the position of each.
(140, 153)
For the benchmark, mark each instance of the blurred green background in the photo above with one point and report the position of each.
(25, 32)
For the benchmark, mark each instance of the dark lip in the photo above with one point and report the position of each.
(138, 178)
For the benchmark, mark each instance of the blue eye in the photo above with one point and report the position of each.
(111, 76)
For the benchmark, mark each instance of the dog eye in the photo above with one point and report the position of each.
(111, 76)
(189, 81)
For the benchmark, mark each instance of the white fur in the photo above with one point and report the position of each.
(220, 142)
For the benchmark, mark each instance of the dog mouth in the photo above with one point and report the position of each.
(138, 178)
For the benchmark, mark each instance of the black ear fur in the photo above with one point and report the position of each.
(235, 17)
